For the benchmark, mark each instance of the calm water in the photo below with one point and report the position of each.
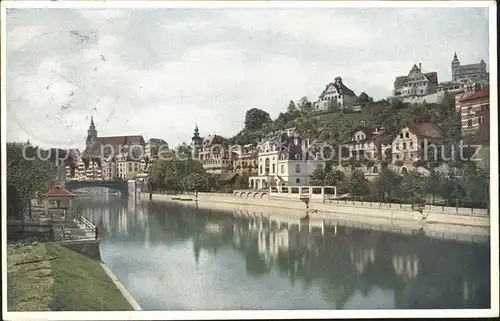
(172, 257)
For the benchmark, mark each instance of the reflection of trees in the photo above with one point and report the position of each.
(423, 272)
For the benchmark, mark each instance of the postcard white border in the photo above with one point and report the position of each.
(272, 314)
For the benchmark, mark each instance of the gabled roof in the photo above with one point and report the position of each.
(341, 89)
(157, 141)
(368, 131)
(426, 130)
(225, 177)
(112, 145)
(432, 77)
(483, 93)
(399, 81)
(59, 191)
(213, 139)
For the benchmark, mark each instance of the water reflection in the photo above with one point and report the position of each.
(260, 262)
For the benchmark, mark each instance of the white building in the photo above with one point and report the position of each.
(411, 141)
(286, 160)
(336, 96)
(416, 83)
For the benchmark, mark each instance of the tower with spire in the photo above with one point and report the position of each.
(196, 141)
(455, 68)
(91, 133)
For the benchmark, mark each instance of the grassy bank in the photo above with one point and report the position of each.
(49, 277)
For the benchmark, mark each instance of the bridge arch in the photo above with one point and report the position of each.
(119, 185)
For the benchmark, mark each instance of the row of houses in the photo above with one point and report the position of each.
(113, 157)
(284, 158)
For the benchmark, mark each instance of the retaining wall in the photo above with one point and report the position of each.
(436, 214)
(88, 247)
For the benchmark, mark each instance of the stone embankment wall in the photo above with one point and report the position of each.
(436, 214)
(88, 247)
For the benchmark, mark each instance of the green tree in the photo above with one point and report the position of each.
(357, 183)
(334, 178)
(434, 183)
(27, 175)
(291, 107)
(412, 186)
(386, 184)
(255, 118)
(195, 182)
(317, 177)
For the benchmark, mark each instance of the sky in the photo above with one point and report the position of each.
(159, 72)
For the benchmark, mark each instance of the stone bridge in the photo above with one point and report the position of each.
(124, 187)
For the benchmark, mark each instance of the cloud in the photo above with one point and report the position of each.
(157, 72)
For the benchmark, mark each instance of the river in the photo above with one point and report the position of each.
(175, 257)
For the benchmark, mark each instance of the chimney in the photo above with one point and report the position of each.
(420, 66)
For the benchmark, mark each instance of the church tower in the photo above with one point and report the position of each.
(455, 68)
(91, 132)
(196, 141)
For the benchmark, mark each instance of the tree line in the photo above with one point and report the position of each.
(469, 188)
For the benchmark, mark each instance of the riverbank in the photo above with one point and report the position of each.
(50, 277)
(445, 218)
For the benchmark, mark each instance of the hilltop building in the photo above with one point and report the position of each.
(462, 73)
(416, 83)
(335, 96)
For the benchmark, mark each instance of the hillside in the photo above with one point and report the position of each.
(334, 127)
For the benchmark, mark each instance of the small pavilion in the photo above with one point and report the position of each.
(59, 201)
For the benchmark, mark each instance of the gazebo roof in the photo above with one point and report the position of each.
(59, 191)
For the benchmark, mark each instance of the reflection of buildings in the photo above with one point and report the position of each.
(341, 265)
(406, 267)
(360, 259)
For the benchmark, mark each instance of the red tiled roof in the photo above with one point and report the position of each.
(483, 93)
(432, 76)
(426, 130)
(59, 191)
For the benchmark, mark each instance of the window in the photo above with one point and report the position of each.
(297, 168)
(282, 169)
(422, 145)
(297, 181)
(375, 169)
(411, 144)
(469, 110)
(401, 135)
(407, 134)
(260, 169)
(404, 146)
(469, 122)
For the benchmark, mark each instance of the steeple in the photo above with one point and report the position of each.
(91, 132)
(455, 68)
